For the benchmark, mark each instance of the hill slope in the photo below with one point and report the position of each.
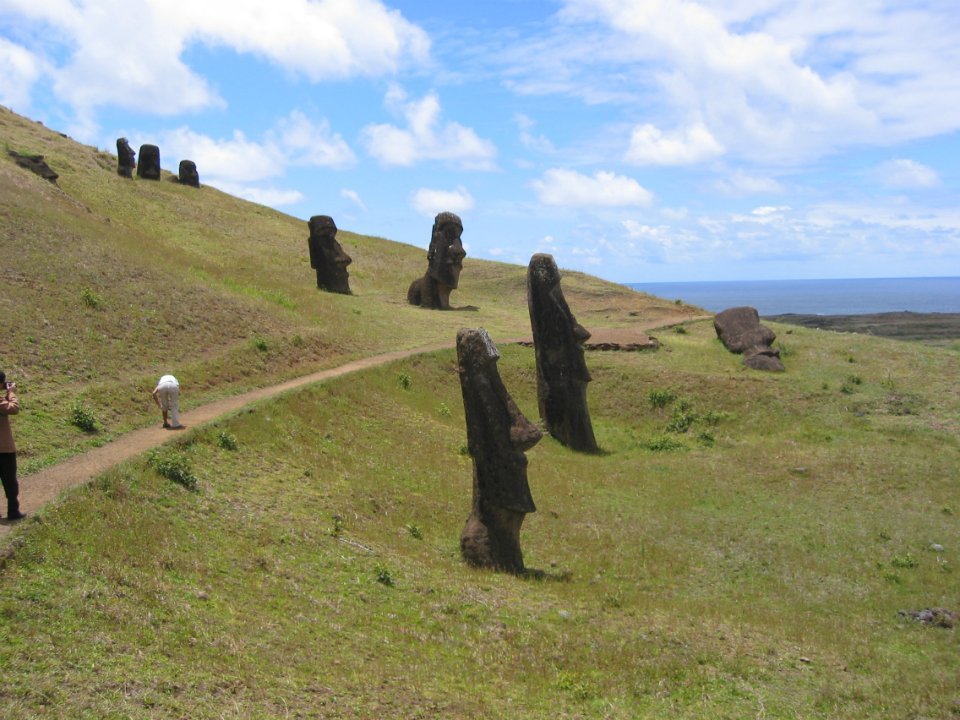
(111, 282)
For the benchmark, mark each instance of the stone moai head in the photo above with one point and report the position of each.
(126, 158)
(188, 174)
(446, 253)
(327, 256)
(562, 373)
(497, 435)
(149, 165)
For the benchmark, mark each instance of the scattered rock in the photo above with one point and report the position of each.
(938, 617)
(35, 164)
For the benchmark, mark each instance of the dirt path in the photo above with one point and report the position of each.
(38, 489)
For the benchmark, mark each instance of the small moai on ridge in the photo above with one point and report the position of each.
(327, 256)
(444, 264)
(187, 173)
(740, 331)
(562, 374)
(497, 436)
(149, 166)
(126, 158)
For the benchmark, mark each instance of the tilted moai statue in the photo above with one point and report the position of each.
(562, 374)
(740, 331)
(188, 174)
(497, 436)
(327, 257)
(149, 166)
(444, 263)
(126, 158)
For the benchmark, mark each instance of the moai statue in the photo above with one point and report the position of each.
(188, 174)
(444, 263)
(740, 331)
(149, 166)
(497, 436)
(562, 374)
(126, 158)
(327, 257)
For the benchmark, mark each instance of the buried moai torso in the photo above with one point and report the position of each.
(187, 174)
(126, 158)
(497, 436)
(562, 374)
(149, 166)
(740, 331)
(327, 256)
(444, 263)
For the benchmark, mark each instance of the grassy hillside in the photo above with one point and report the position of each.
(109, 283)
(741, 548)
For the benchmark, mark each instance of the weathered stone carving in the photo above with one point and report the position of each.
(497, 436)
(126, 158)
(444, 263)
(740, 331)
(35, 164)
(188, 174)
(149, 166)
(562, 374)
(327, 256)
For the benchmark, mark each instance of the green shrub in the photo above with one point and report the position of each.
(89, 298)
(664, 443)
(404, 381)
(661, 398)
(444, 410)
(174, 466)
(259, 343)
(414, 531)
(226, 441)
(682, 419)
(384, 577)
(82, 417)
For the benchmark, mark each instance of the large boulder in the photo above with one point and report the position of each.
(35, 164)
(741, 332)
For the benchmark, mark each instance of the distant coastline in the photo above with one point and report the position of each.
(857, 296)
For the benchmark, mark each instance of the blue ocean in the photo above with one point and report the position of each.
(817, 297)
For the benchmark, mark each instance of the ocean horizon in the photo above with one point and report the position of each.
(853, 296)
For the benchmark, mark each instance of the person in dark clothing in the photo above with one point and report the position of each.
(9, 405)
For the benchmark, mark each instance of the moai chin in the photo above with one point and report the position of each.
(562, 374)
(126, 158)
(187, 173)
(497, 436)
(149, 166)
(327, 256)
(444, 264)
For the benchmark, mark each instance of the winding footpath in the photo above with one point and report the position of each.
(45, 486)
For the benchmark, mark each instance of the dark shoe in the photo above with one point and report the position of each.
(166, 425)
(16, 515)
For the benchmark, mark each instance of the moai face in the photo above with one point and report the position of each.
(327, 256)
(446, 254)
(188, 173)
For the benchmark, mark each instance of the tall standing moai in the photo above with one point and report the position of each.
(562, 374)
(497, 436)
(149, 166)
(187, 173)
(444, 264)
(126, 158)
(327, 256)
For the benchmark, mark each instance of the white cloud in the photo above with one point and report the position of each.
(237, 159)
(740, 183)
(692, 144)
(430, 202)
(425, 137)
(19, 69)
(568, 188)
(318, 39)
(537, 143)
(309, 143)
(902, 173)
(354, 197)
(272, 197)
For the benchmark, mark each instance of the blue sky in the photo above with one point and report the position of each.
(638, 140)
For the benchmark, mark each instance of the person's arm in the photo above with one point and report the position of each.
(9, 404)
(156, 396)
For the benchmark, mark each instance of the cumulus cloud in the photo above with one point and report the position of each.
(272, 197)
(236, 158)
(316, 39)
(19, 69)
(907, 174)
(692, 144)
(430, 202)
(568, 188)
(740, 183)
(313, 143)
(426, 136)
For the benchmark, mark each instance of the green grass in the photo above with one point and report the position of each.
(301, 559)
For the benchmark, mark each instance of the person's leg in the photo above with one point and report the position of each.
(8, 475)
(174, 407)
(164, 396)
